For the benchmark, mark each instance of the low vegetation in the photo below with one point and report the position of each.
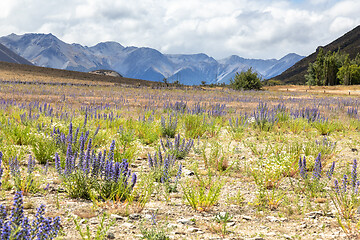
(132, 163)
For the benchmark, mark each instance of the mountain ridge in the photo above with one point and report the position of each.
(47, 50)
(348, 43)
(6, 55)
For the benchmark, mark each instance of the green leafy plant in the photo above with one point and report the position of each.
(195, 125)
(101, 229)
(203, 192)
(44, 149)
(25, 182)
(155, 232)
(223, 218)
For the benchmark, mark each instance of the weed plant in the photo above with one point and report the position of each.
(101, 230)
(169, 126)
(203, 192)
(264, 118)
(194, 125)
(25, 182)
(179, 149)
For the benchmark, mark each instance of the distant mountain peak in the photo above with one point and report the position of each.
(143, 63)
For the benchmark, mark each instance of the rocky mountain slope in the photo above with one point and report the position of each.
(142, 63)
(349, 43)
(6, 55)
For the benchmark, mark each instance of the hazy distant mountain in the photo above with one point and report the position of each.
(348, 43)
(144, 63)
(6, 55)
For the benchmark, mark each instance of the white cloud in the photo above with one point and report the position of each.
(252, 29)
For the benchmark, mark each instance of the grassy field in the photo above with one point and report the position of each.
(207, 163)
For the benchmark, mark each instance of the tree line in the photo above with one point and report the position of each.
(333, 68)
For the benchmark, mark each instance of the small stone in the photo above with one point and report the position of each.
(230, 224)
(303, 225)
(271, 234)
(135, 216)
(284, 219)
(128, 225)
(272, 219)
(286, 236)
(172, 225)
(248, 218)
(110, 236)
(117, 217)
(315, 214)
(188, 172)
(256, 238)
(186, 221)
(193, 229)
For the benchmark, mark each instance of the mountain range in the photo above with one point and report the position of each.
(6, 55)
(47, 50)
(348, 43)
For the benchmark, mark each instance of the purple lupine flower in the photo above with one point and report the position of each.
(68, 160)
(165, 176)
(116, 172)
(354, 174)
(1, 169)
(317, 167)
(178, 175)
(303, 170)
(133, 180)
(345, 183)
(58, 163)
(96, 131)
(85, 118)
(111, 151)
(330, 173)
(96, 165)
(150, 161)
(76, 135)
(87, 157)
(31, 165)
(14, 166)
(17, 212)
(81, 150)
(6, 231)
(70, 135)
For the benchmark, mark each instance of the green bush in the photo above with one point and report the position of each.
(248, 80)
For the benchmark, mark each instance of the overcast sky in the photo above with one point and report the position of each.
(219, 28)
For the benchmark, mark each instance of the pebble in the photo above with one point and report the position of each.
(117, 217)
(193, 229)
(110, 236)
(272, 219)
(230, 224)
(248, 218)
(186, 221)
(128, 225)
(314, 214)
(286, 236)
(135, 216)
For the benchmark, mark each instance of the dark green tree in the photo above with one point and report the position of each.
(249, 80)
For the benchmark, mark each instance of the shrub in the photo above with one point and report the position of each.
(98, 174)
(248, 80)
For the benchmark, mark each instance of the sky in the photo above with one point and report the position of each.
(219, 28)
